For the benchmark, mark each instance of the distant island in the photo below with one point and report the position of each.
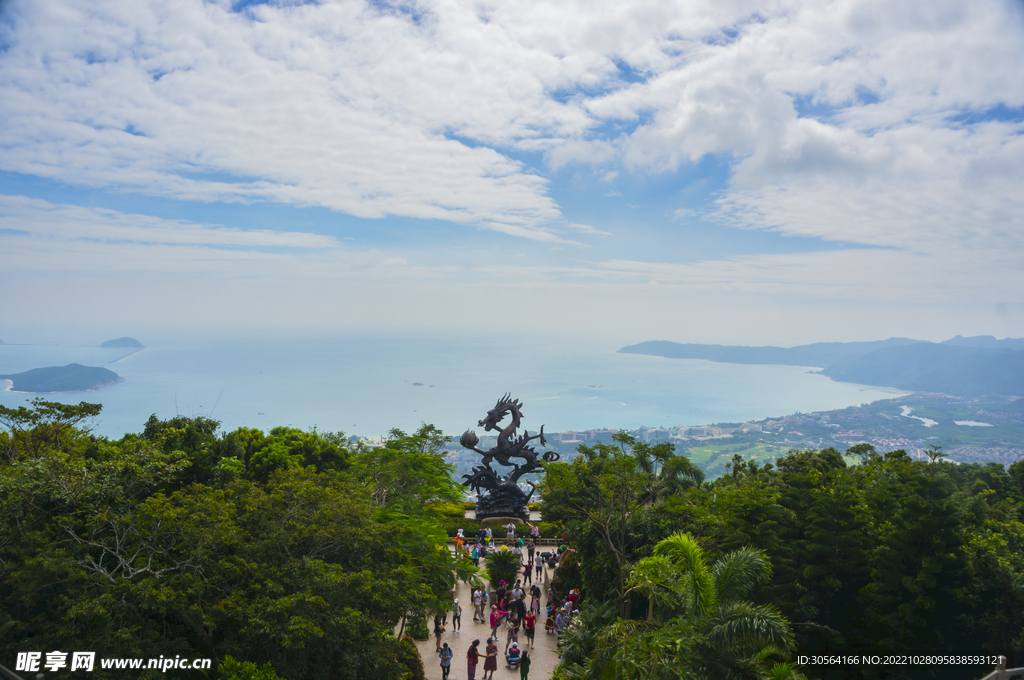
(123, 342)
(962, 366)
(70, 378)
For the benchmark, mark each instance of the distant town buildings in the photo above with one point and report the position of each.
(654, 435)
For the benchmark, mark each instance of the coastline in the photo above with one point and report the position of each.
(10, 388)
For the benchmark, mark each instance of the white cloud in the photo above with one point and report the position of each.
(336, 105)
(44, 219)
(841, 120)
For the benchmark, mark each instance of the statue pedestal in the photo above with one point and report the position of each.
(507, 500)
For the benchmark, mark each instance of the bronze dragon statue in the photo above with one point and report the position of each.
(510, 445)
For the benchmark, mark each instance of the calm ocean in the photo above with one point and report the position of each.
(365, 384)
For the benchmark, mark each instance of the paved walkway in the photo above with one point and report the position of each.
(544, 654)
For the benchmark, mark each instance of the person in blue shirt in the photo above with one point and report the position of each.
(446, 654)
(512, 656)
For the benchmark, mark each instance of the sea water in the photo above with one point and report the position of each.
(366, 383)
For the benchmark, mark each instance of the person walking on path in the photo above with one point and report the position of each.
(531, 548)
(530, 627)
(490, 659)
(535, 599)
(472, 658)
(479, 602)
(524, 665)
(538, 563)
(519, 607)
(496, 617)
(446, 655)
(438, 630)
(499, 592)
(456, 616)
(527, 573)
(512, 635)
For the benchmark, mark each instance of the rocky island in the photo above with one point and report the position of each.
(70, 378)
(123, 342)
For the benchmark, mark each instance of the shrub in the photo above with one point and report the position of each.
(453, 510)
(469, 528)
(568, 574)
(502, 565)
(410, 657)
(231, 669)
(550, 529)
(418, 628)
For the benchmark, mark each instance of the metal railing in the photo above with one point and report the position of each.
(8, 674)
(1001, 672)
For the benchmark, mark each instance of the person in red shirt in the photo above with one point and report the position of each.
(496, 616)
(530, 627)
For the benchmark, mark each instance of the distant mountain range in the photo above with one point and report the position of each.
(70, 378)
(959, 366)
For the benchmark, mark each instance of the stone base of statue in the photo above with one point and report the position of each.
(507, 500)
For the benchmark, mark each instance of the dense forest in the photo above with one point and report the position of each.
(298, 554)
(809, 556)
(278, 555)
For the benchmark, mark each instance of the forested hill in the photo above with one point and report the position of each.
(817, 354)
(926, 367)
(70, 378)
(960, 366)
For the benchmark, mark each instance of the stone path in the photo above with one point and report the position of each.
(544, 654)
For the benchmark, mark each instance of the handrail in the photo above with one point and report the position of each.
(8, 674)
(1001, 672)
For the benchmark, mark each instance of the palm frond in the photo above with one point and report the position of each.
(739, 571)
(750, 628)
(688, 556)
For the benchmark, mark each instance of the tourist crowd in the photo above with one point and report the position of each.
(506, 610)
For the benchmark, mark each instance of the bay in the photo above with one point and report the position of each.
(366, 383)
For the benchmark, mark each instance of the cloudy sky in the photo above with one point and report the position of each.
(778, 171)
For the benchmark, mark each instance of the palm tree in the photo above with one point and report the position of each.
(698, 624)
(665, 472)
(503, 565)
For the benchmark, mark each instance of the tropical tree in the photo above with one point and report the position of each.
(699, 623)
(502, 565)
(608, 492)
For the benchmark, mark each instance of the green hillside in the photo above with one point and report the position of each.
(926, 367)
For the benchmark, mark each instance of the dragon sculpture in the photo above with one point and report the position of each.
(510, 445)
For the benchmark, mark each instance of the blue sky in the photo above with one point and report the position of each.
(739, 172)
